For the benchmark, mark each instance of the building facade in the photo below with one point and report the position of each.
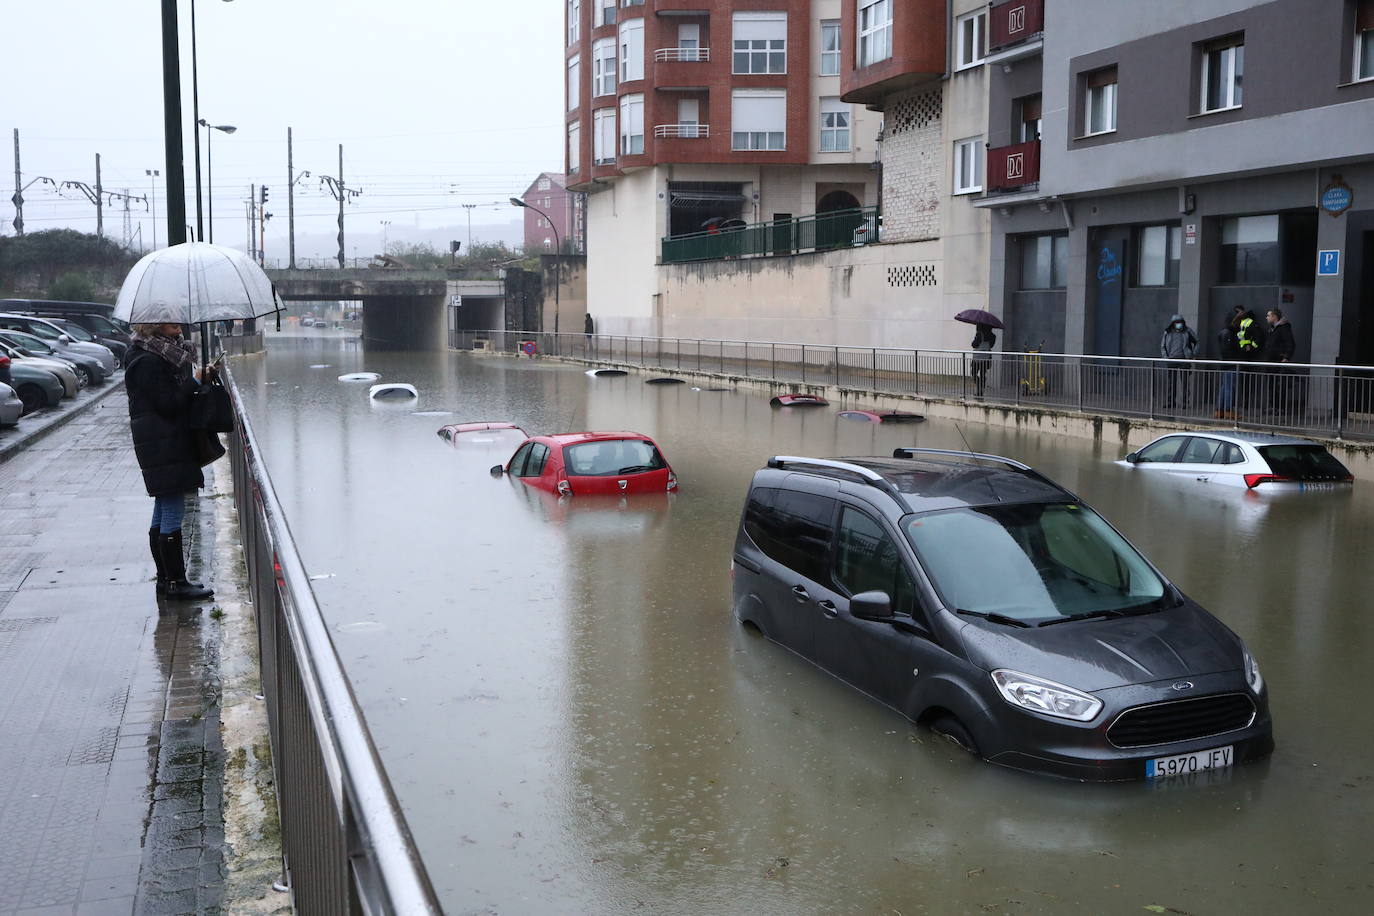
(1151, 159)
(554, 216)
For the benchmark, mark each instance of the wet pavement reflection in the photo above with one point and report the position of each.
(575, 723)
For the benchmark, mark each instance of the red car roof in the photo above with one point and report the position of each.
(575, 438)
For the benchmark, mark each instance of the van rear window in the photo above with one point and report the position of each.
(1303, 462)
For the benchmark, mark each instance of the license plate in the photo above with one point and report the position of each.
(1319, 486)
(1216, 758)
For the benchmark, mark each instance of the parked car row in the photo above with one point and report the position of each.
(46, 356)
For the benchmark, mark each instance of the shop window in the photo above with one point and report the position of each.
(1158, 252)
(1044, 261)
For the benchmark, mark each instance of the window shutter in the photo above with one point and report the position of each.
(1030, 108)
(1364, 16)
(1098, 78)
(762, 26)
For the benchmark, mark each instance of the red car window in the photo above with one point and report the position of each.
(612, 457)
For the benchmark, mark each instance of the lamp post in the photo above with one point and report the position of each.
(210, 167)
(195, 116)
(152, 199)
(557, 264)
(385, 223)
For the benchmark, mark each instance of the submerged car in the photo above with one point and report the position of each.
(1259, 461)
(592, 463)
(973, 595)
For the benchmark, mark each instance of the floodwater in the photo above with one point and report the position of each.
(575, 723)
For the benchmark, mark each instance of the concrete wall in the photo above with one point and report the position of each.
(624, 223)
(569, 273)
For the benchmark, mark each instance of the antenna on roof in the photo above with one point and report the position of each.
(986, 478)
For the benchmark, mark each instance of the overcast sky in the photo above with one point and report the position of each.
(437, 103)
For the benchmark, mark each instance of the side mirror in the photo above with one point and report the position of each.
(497, 470)
(871, 606)
(1132, 458)
(65, 338)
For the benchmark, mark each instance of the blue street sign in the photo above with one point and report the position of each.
(1329, 263)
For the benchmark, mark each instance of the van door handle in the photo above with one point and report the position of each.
(800, 593)
(828, 609)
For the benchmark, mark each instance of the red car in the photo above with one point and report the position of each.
(581, 464)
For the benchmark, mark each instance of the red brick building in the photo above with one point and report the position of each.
(559, 220)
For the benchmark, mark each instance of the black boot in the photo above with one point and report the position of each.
(155, 545)
(174, 563)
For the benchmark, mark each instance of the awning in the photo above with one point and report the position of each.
(683, 198)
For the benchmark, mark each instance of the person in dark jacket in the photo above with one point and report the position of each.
(160, 379)
(1279, 347)
(983, 341)
(1177, 343)
(1228, 345)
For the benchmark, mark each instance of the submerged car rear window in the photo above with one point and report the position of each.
(1303, 462)
(612, 457)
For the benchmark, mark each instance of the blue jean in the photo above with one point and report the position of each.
(1226, 394)
(168, 511)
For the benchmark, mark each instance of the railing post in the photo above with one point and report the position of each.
(1082, 375)
(720, 361)
(1339, 402)
(837, 367)
(746, 359)
(875, 368)
(963, 377)
(773, 358)
(915, 371)
(1151, 408)
(698, 354)
(803, 362)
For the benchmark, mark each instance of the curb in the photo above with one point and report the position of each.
(28, 437)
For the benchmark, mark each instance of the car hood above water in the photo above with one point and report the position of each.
(1093, 655)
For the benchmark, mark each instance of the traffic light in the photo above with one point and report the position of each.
(263, 199)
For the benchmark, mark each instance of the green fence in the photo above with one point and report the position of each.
(822, 232)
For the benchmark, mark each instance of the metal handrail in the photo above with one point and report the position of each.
(381, 858)
(683, 55)
(683, 131)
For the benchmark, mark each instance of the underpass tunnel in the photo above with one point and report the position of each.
(404, 322)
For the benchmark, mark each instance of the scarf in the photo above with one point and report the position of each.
(180, 353)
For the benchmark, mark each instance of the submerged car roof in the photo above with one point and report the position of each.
(927, 484)
(1248, 437)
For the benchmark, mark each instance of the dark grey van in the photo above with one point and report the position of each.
(970, 593)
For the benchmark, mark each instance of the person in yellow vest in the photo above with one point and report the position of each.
(1250, 341)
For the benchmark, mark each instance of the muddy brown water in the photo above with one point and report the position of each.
(574, 722)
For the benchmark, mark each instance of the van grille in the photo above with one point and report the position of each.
(1181, 720)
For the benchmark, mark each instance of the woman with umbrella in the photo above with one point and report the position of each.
(983, 342)
(193, 283)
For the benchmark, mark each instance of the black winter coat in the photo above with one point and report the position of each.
(1280, 346)
(159, 408)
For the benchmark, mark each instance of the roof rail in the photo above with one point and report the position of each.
(914, 452)
(867, 475)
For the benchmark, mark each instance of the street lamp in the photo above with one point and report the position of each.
(210, 166)
(195, 116)
(385, 223)
(557, 264)
(152, 198)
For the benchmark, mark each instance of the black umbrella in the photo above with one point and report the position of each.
(979, 316)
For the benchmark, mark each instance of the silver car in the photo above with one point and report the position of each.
(25, 348)
(11, 408)
(60, 340)
(1257, 461)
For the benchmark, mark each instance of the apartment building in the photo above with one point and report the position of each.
(1151, 158)
(553, 216)
(688, 114)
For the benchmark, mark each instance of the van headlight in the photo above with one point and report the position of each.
(1040, 695)
(1252, 672)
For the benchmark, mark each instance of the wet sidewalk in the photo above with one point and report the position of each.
(112, 765)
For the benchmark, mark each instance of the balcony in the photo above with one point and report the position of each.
(1015, 167)
(683, 131)
(1015, 28)
(683, 55)
(821, 232)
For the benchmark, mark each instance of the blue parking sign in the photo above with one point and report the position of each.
(1329, 263)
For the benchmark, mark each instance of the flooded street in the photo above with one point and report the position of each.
(574, 722)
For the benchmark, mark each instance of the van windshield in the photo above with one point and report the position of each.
(1034, 563)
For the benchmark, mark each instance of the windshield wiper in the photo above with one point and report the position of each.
(994, 617)
(1090, 615)
(635, 469)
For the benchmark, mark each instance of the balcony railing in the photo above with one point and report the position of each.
(683, 131)
(1013, 167)
(822, 232)
(1013, 22)
(686, 55)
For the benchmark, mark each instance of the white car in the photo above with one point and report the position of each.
(1258, 461)
(11, 408)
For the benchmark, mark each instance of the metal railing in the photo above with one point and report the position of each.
(683, 131)
(346, 845)
(820, 232)
(1325, 400)
(683, 55)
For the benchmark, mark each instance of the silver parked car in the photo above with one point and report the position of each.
(11, 408)
(1258, 461)
(71, 383)
(60, 340)
(23, 347)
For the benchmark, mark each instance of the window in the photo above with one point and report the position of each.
(603, 76)
(689, 41)
(1028, 118)
(760, 43)
(971, 37)
(1099, 102)
(529, 460)
(1249, 250)
(1364, 40)
(612, 458)
(1201, 451)
(875, 31)
(688, 118)
(574, 20)
(1158, 249)
(632, 124)
(574, 81)
(968, 165)
(607, 12)
(544, 185)
(1165, 450)
(867, 560)
(830, 47)
(758, 119)
(574, 146)
(1223, 65)
(1044, 261)
(834, 126)
(603, 136)
(632, 50)
(792, 528)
